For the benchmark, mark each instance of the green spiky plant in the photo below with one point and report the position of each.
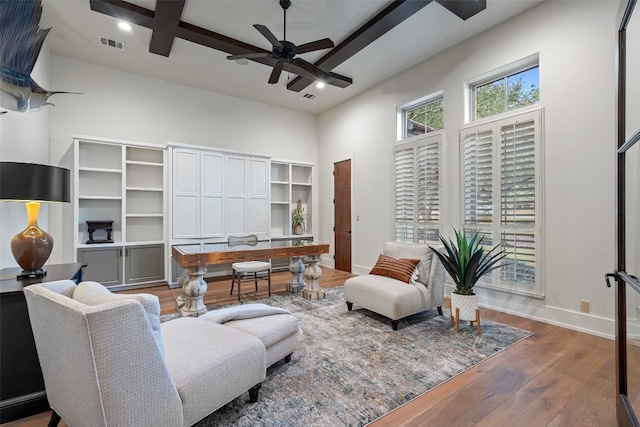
(466, 260)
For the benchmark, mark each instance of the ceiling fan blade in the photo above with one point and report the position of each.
(316, 45)
(249, 55)
(275, 74)
(268, 35)
(310, 69)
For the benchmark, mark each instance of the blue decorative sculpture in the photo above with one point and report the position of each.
(21, 39)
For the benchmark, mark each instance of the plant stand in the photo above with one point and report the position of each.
(465, 307)
(457, 320)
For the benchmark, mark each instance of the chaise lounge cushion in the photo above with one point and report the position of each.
(209, 363)
(276, 327)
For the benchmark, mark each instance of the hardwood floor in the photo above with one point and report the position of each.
(558, 377)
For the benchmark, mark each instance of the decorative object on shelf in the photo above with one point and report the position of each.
(297, 219)
(103, 224)
(466, 262)
(20, 45)
(33, 183)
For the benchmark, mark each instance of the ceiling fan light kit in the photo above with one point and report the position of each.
(284, 52)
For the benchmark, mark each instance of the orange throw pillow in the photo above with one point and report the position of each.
(399, 269)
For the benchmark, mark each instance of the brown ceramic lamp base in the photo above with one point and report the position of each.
(32, 247)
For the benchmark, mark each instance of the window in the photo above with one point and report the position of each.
(417, 189)
(516, 87)
(422, 117)
(501, 175)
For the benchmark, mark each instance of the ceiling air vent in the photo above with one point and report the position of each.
(308, 96)
(105, 41)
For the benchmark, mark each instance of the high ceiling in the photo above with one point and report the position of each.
(77, 30)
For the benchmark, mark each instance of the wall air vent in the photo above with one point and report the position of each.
(105, 41)
(308, 96)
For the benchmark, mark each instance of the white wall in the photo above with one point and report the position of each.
(576, 46)
(126, 106)
(24, 137)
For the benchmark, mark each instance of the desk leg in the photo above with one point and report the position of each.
(296, 267)
(313, 273)
(191, 302)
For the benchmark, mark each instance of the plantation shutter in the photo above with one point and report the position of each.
(417, 189)
(518, 199)
(478, 177)
(501, 174)
(404, 192)
(517, 165)
(428, 187)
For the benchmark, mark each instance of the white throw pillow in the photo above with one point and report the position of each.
(93, 293)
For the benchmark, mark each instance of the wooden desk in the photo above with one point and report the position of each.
(194, 262)
(21, 385)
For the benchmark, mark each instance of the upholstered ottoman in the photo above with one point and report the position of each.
(276, 327)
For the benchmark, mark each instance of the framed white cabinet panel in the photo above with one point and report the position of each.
(212, 194)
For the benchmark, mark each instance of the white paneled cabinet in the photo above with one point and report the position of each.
(215, 194)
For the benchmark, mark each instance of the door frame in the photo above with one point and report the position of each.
(333, 211)
(625, 413)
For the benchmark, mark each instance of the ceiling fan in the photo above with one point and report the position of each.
(284, 52)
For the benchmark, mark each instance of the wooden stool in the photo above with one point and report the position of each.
(457, 320)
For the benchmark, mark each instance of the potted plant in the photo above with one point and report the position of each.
(466, 261)
(297, 218)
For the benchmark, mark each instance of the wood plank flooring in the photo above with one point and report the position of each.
(558, 377)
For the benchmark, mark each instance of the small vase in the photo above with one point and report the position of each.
(468, 304)
(297, 230)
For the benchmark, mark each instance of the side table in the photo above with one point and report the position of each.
(22, 390)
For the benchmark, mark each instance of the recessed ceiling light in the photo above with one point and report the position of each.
(124, 26)
(242, 61)
(320, 85)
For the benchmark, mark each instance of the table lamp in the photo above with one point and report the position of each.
(33, 183)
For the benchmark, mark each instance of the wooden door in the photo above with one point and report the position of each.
(342, 214)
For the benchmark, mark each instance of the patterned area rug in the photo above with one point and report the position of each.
(350, 368)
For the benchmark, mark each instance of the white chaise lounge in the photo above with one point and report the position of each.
(107, 361)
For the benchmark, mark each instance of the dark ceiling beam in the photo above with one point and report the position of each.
(165, 23)
(134, 14)
(392, 15)
(397, 12)
(464, 9)
(125, 11)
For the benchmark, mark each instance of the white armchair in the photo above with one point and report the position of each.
(396, 299)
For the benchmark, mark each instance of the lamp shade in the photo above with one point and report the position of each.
(34, 182)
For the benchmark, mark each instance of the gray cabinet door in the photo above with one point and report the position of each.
(144, 264)
(104, 265)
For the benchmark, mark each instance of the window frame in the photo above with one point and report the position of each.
(496, 226)
(499, 74)
(424, 101)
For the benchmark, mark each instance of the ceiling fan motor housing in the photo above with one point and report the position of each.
(286, 51)
(285, 4)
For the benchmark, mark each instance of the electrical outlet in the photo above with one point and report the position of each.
(585, 306)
